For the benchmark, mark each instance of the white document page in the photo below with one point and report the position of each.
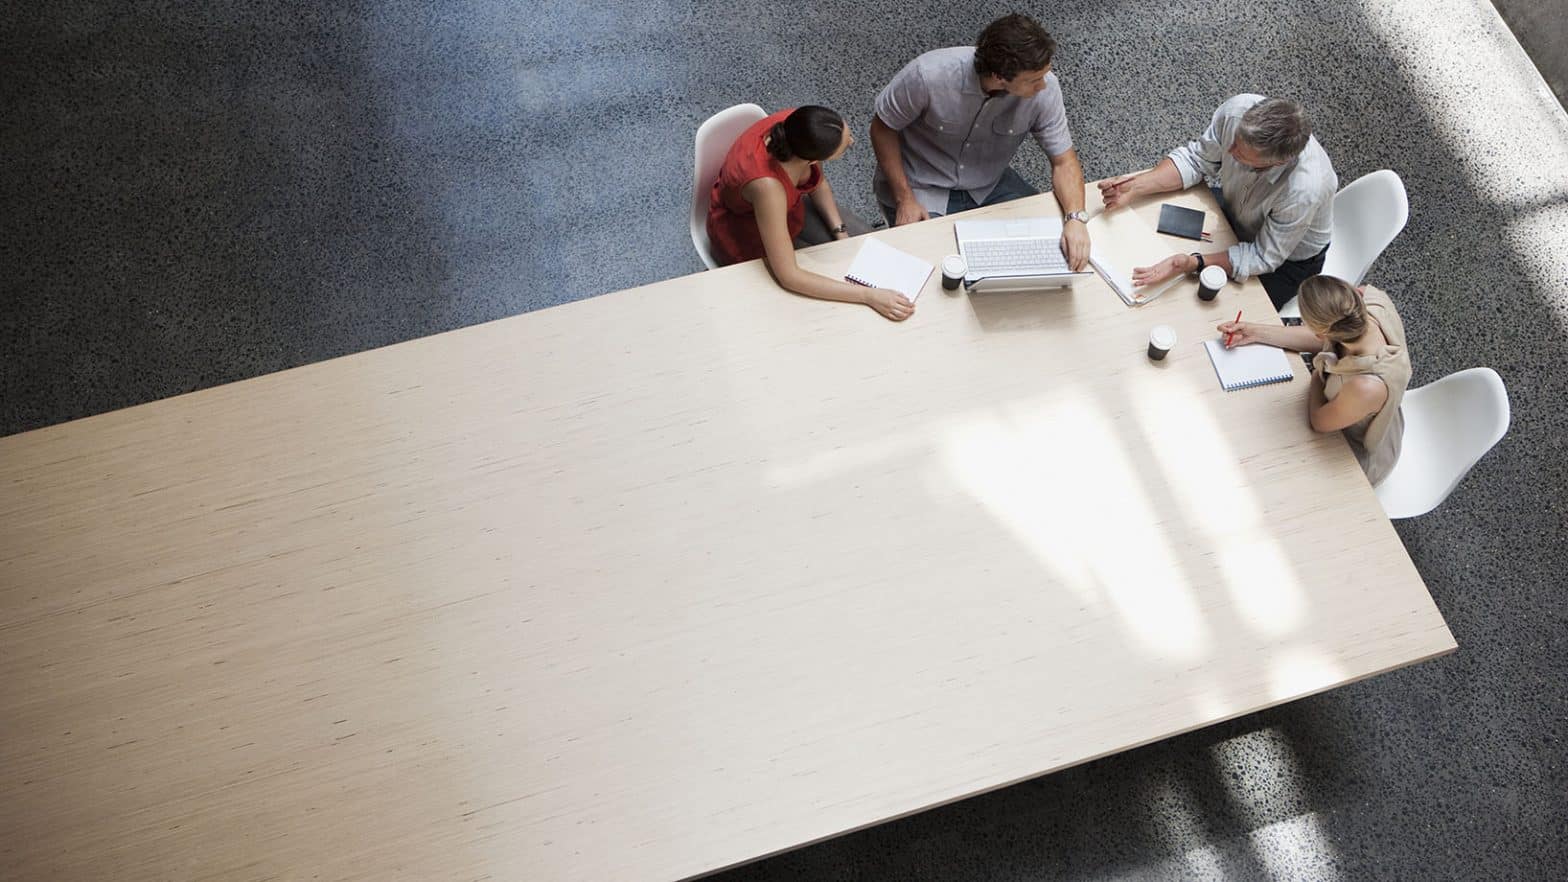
(1121, 240)
(880, 265)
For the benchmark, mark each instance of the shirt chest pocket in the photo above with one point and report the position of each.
(949, 123)
(1008, 126)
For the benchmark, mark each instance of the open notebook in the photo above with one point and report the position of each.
(1121, 240)
(880, 265)
(1246, 366)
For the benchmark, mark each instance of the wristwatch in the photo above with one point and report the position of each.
(1078, 216)
(1200, 262)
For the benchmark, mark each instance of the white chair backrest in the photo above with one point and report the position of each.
(1368, 213)
(714, 139)
(1449, 426)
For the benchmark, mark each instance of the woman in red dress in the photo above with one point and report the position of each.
(759, 205)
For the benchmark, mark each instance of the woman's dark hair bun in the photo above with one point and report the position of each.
(778, 143)
(811, 132)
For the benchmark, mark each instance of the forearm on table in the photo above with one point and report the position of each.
(810, 284)
(780, 260)
(1163, 178)
(1220, 259)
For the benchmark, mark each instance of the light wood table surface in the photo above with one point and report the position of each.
(658, 582)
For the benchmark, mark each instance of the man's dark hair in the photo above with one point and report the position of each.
(811, 132)
(1013, 44)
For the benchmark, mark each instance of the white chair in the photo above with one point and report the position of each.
(1449, 426)
(714, 138)
(1368, 213)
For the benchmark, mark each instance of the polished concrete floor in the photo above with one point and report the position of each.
(1542, 29)
(199, 193)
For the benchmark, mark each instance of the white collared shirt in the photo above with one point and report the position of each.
(1279, 214)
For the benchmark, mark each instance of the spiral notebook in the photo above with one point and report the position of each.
(1246, 366)
(879, 265)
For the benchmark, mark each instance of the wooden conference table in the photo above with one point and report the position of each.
(651, 584)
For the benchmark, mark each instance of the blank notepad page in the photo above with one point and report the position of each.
(1246, 366)
(880, 265)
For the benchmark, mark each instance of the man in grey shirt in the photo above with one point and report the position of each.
(947, 126)
(1274, 182)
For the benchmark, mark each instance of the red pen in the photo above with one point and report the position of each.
(1232, 333)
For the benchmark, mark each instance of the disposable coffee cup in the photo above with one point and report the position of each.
(1210, 281)
(953, 269)
(1161, 341)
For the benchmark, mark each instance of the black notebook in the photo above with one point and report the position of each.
(1178, 221)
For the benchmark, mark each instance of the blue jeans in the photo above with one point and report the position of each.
(1011, 186)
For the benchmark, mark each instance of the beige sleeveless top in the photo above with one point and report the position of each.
(1376, 438)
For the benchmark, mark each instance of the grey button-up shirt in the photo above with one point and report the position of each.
(1279, 214)
(954, 136)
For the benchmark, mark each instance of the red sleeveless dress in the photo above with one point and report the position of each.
(732, 226)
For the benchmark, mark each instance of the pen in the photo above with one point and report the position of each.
(1232, 333)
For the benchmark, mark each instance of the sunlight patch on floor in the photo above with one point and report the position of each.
(1264, 781)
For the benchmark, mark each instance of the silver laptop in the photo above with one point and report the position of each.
(1019, 254)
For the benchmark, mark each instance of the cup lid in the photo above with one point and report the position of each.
(1163, 336)
(1212, 277)
(954, 265)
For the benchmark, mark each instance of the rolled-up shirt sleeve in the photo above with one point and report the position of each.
(1050, 123)
(1201, 157)
(903, 100)
(1286, 224)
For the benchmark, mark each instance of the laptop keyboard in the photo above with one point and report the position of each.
(1014, 257)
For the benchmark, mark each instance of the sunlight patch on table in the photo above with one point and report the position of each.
(1209, 482)
(1300, 670)
(1057, 476)
(1263, 585)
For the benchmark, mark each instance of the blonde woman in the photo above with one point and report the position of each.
(1360, 368)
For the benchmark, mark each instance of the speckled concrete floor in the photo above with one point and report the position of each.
(1542, 29)
(193, 196)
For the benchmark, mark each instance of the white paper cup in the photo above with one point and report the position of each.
(1162, 339)
(953, 269)
(1210, 281)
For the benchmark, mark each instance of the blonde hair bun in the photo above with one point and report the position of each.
(1333, 305)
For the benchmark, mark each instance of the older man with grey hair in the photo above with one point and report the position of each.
(1274, 182)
